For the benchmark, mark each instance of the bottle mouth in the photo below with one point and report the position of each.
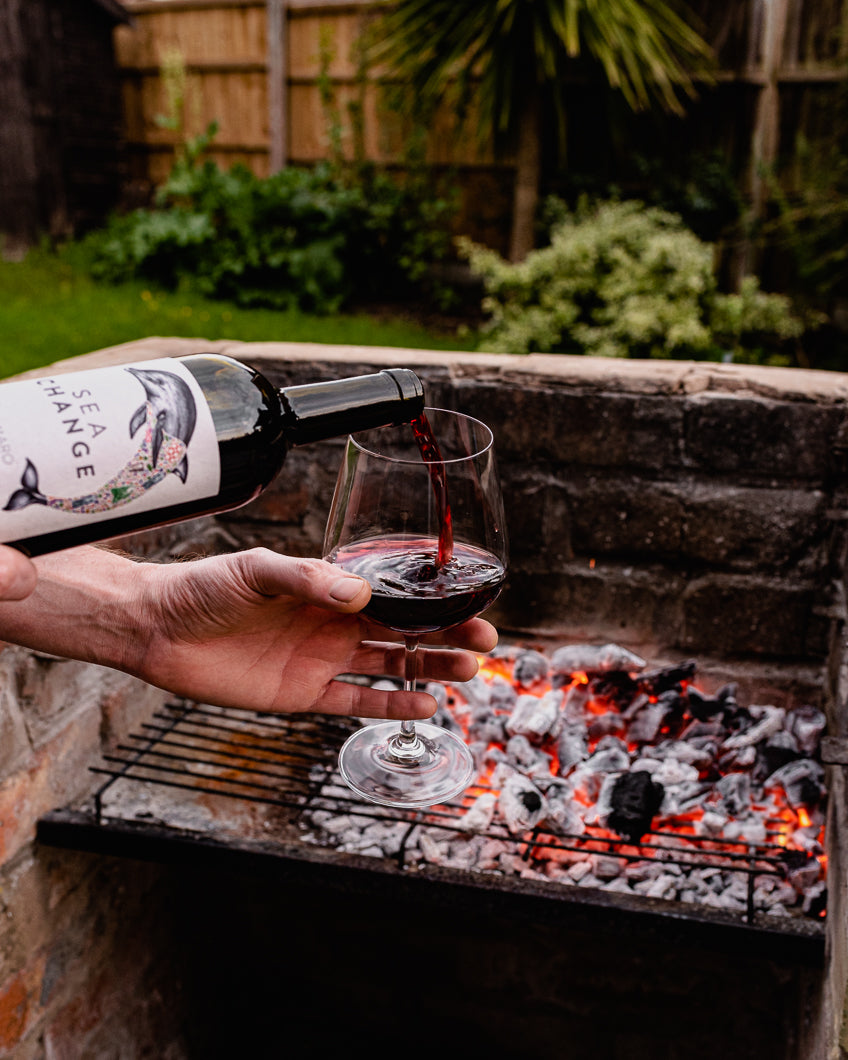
(410, 387)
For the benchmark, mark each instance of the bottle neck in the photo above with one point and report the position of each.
(344, 406)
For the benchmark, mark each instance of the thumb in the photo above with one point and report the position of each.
(17, 574)
(313, 581)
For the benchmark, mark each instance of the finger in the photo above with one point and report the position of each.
(362, 701)
(17, 574)
(434, 664)
(476, 635)
(311, 580)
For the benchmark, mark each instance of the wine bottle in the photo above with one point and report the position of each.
(102, 452)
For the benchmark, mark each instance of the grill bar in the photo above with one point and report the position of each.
(289, 764)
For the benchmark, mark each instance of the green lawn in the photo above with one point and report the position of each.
(50, 310)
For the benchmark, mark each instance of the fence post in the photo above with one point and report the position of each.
(277, 77)
(772, 16)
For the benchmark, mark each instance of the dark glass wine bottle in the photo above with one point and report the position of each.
(105, 452)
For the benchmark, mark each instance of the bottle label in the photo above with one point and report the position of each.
(89, 446)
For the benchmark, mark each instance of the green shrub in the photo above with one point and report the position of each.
(316, 238)
(620, 279)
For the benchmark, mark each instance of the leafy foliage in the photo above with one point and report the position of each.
(314, 238)
(809, 226)
(441, 48)
(620, 279)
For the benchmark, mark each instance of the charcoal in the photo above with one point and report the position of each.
(574, 707)
(636, 704)
(792, 860)
(443, 717)
(572, 746)
(520, 804)
(609, 724)
(735, 793)
(680, 750)
(522, 755)
(767, 721)
(646, 725)
(702, 706)
(479, 815)
(502, 694)
(807, 725)
(815, 900)
(562, 816)
(748, 829)
(801, 780)
(486, 726)
(617, 686)
(610, 756)
(739, 720)
(771, 757)
(534, 716)
(675, 703)
(635, 799)
(477, 691)
(593, 659)
(529, 667)
(654, 682)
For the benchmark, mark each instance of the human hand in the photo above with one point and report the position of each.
(263, 631)
(17, 574)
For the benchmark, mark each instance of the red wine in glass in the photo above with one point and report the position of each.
(422, 521)
(411, 595)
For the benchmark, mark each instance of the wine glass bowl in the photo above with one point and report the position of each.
(418, 513)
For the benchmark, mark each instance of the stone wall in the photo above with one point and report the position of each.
(678, 508)
(683, 510)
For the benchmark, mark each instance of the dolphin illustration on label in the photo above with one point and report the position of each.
(168, 417)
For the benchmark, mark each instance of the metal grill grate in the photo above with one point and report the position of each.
(275, 759)
(289, 763)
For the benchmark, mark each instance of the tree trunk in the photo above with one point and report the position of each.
(525, 196)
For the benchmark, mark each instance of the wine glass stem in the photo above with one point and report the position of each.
(406, 747)
(410, 674)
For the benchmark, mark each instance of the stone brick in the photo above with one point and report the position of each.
(538, 518)
(14, 742)
(757, 437)
(585, 602)
(758, 529)
(612, 518)
(92, 952)
(732, 615)
(56, 773)
(52, 690)
(570, 428)
(725, 526)
(19, 1005)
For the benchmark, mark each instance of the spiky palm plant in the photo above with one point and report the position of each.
(506, 54)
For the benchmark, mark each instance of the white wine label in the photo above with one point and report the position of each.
(96, 444)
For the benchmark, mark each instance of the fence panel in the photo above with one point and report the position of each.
(770, 52)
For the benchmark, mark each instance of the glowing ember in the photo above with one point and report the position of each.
(595, 771)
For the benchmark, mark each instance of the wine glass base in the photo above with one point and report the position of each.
(369, 767)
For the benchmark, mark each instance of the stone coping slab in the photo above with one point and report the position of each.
(591, 373)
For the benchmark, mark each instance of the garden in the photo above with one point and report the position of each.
(610, 264)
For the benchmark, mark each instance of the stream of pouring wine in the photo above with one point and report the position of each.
(432, 456)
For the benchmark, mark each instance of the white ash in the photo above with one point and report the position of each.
(588, 659)
(550, 740)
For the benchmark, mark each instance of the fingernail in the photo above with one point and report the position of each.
(345, 589)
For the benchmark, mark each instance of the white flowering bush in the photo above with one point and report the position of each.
(621, 279)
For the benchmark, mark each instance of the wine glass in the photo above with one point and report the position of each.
(418, 513)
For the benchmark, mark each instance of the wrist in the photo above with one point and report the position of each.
(83, 607)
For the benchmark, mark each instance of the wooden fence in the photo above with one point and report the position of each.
(259, 67)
